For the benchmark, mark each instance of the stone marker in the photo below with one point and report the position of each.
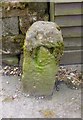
(43, 49)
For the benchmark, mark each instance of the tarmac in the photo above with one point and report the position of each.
(14, 103)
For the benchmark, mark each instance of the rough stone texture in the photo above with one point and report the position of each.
(10, 60)
(15, 19)
(12, 44)
(12, 48)
(0, 27)
(13, 5)
(14, 13)
(46, 17)
(10, 26)
(42, 51)
(0, 12)
(24, 8)
(25, 23)
(39, 7)
(36, 11)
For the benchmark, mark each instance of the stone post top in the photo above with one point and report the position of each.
(43, 33)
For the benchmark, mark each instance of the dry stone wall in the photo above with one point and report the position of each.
(16, 19)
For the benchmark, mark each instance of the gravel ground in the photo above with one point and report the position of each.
(73, 78)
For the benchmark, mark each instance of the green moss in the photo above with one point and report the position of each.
(58, 51)
(19, 39)
(39, 74)
(40, 64)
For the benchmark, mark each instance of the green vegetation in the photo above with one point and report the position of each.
(40, 67)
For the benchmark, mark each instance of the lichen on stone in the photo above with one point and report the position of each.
(13, 44)
(13, 5)
(42, 50)
(58, 52)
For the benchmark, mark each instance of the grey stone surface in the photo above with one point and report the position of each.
(43, 33)
(12, 44)
(66, 103)
(0, 12)
(10, 26)
(25, 23)
(43, 49)
(0, 28)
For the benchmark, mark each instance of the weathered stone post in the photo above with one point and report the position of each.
(42, 51)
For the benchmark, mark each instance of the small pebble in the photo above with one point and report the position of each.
(72, 81)
(11, 72)
(76, 88)
(39, 98)
(42, 97)
(72, 74)
(5, 67)
(69, 78)
(20, 74)
(73, 98)
(7, 82)
(15, 96)
(28, 95)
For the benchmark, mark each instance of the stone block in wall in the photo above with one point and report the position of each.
(13, 5)
(10, 60)
(24, 8)
(25, 23)
(39, 7)
(14, 12)
(12, 44)
(0, 12)
(10, 9)
(36, 12)
(10, 26)
(0, 27)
